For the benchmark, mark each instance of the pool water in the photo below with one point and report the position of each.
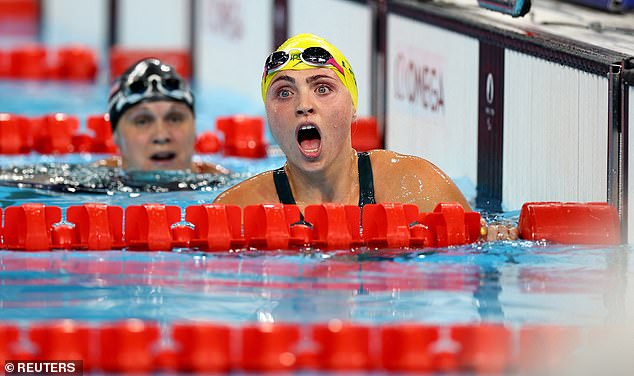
(240, 168)
(514, 283)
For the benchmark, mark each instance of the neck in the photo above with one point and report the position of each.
(337, 183)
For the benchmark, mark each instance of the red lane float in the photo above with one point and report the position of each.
(128, 346)
(202, 347)
(182, 235)
(207, 143)
(570, 223)
(216, 227)
(98, 226)
(365, 134)
(148, 226)
(15, 134)
(243, 136)
(136, 346)
(28, 226)
(269, 347)
(82, 143)
(213, 227)
(4, 64)
(76, 63)
(343, 346)
(268, 226)
(63, 340)
(102, 129)
(9, 335)
(29, 62)
(451, 225)
(38, 62)
(64, 236)
(335, 226)
(408, 347)
(53, 133)
(483, 349)
(121, 58)
(388, 225)
(58, 134)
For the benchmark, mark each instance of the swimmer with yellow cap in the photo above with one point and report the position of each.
(310, 94)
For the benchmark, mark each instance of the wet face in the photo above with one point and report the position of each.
(310, 113)
(156, 136)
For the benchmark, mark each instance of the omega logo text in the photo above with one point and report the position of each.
(419, 84)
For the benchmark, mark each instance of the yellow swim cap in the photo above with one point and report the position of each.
(307, 51)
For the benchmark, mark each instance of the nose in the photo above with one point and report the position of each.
(161, 135)
(304, 106)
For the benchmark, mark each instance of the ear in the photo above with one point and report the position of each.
(354, 116)
(116, 138)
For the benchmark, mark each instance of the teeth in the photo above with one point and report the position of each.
(306, 127)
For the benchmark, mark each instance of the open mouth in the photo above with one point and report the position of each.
(309, 138)
(163, 156)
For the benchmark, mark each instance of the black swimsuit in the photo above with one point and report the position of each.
(366, 183)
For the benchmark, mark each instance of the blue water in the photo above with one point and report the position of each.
(13, 196)
(508, 282)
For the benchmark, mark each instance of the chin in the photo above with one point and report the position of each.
(311, 165)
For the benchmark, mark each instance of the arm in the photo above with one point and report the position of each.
(112, 162)
(489, 231)
(209, 168)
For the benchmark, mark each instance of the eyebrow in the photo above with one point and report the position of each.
(284, 78)
(141, 111)
(308, 80)
(317, 77)
(178, 106)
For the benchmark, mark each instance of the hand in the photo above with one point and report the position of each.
(497, 231)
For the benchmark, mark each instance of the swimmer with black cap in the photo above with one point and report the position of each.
(310, 94)
(151, 109)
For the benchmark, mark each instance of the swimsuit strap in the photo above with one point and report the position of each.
(366, 180)
(283, 187)
(284, 193)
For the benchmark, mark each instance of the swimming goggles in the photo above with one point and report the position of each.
(136, 89)
(314, 56)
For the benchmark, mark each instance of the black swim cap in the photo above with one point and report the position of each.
(147, 80)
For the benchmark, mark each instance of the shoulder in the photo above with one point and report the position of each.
(112, 162)
(394, 163)
(410, 179)
(258, 189)
(209, 168)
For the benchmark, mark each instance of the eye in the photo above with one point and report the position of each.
(142, 120)
(175, 117)
(283, 93)
(323, 89)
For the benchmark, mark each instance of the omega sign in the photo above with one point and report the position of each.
(419, 83)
